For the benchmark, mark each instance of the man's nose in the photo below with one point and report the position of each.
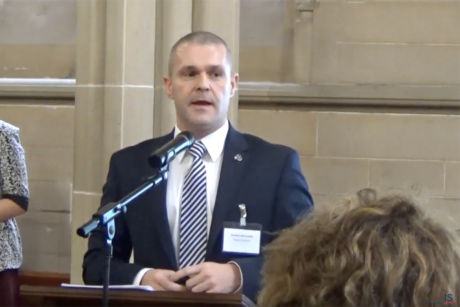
(203, 82)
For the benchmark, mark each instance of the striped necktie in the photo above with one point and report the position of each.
(193, 215)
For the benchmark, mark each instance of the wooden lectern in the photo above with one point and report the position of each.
(57, 296)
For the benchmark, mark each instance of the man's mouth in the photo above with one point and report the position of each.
(202, 103)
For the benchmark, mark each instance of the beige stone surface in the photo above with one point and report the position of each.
(115, 36)
(446, 211)
(37, 61)
(170, 31)
(51, 196)
(398, 64)
(266, 41)
(91, 32)
(85, 204)
(138, 107)
(46, 263)
(415, 155)
(335, 176)
(38, 22)
(38, 123)
(35, 47)
(408, 175)
(324, 63)
(452, 179)
(112, 121)
(290, 128)
(47, 163)
(385, 136)
(46, 232)
(415, 22)
(376, 42)
(139, 44)
(90, 109)
(254, 68)
(88, 138)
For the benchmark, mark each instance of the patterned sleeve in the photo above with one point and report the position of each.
(13, 172)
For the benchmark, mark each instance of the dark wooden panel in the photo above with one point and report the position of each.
(54, 296)
(48, 279)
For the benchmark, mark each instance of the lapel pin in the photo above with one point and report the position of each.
(238, 157)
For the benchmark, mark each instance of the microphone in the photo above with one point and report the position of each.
(165, 154)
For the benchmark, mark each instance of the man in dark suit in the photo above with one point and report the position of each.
(176, 230)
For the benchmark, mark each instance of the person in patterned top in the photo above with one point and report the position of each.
(14, 201)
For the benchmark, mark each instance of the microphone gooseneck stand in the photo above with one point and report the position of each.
(105, 218)
(110, 233)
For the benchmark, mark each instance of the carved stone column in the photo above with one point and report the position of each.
(114, 100)
(89, 123)
(174, 20)
(303, 40)
(129, 74)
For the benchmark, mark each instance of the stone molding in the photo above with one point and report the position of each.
(364, 95)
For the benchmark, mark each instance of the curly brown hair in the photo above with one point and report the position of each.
(364, 251)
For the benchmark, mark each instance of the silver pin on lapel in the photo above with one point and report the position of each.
(243, 214)
(238, 157)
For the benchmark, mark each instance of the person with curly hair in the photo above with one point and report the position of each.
(14, 201)
(364, 251)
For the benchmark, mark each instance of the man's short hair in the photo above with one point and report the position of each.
(202, 38)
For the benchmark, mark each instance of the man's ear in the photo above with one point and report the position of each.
(168, 86)
(234, 84)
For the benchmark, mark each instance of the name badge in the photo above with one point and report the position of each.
(242, 238)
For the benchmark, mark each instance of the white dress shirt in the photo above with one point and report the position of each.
(178, 168)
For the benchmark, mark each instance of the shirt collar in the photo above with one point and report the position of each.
(214, 142)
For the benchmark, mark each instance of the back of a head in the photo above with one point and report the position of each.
(367, 251)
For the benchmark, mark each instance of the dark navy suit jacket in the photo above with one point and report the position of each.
(268, 180)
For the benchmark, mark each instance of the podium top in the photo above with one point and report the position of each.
(58, 296)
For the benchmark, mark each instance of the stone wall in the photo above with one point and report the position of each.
(379, 55)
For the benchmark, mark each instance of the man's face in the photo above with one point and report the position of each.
(201, 86)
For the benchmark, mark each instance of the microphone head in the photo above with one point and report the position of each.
(157, 161)
(166, 153)
(187, 135)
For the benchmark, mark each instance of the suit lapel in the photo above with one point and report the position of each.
(157, 203)
(233, 167)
